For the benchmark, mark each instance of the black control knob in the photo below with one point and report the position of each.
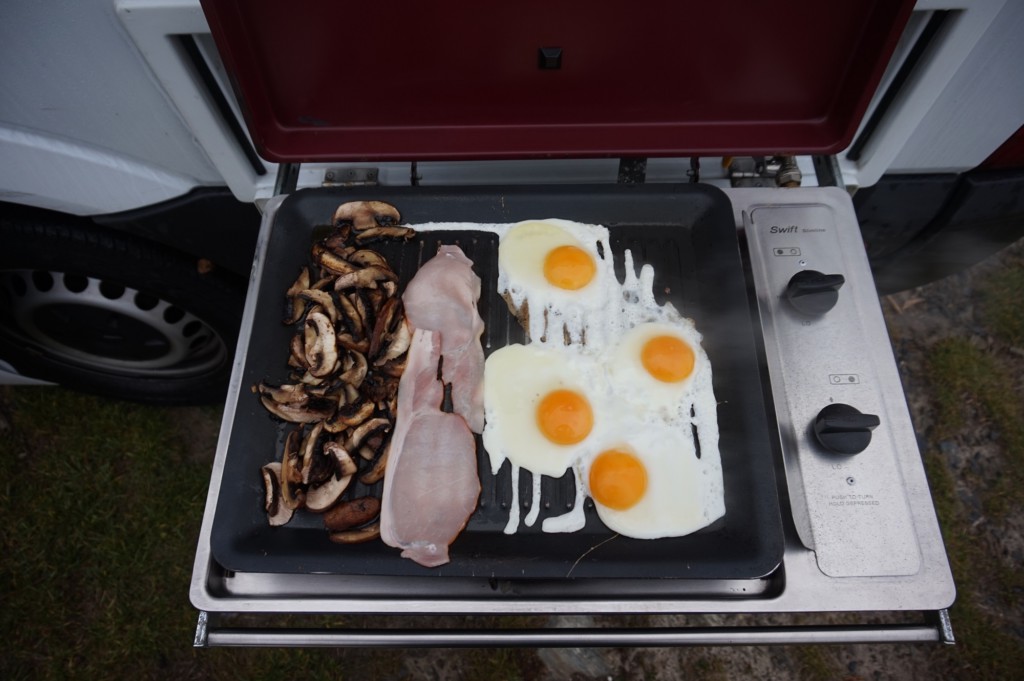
(844, 430)
(813, 293)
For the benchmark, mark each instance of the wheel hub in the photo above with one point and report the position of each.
(101, 324)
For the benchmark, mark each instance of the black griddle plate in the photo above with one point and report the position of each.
(685, 231)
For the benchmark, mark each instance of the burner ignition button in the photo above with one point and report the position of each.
(812, 293)
(842, 429)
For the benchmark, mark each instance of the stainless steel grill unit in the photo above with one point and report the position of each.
(859, 529)
(861, 532)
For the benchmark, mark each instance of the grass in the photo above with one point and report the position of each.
(102, 506)
(94, 496)
(963, 376)
(966, 379)
(1002, 296)
(814, 663)
(102, 503)
(984, 647)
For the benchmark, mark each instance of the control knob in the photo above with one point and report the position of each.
(842, 429)
(812, 293)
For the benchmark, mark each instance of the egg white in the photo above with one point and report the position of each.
(607, 323)
(552, 310)
(683, 493)
(516, 378)
(632, 381)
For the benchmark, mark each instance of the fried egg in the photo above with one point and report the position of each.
(554, 271)
(651, 484)
(611, 386)
(542, 405)
(660, 365)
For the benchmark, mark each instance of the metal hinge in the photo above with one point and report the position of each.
(762, 171)
(351, 177)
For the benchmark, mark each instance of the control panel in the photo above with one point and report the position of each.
(824, 345)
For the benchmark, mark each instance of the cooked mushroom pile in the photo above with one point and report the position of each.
(346, 358)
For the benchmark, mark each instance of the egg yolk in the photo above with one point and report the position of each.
(667, 359)
(569, 267)
(618, 479)
(564, 417)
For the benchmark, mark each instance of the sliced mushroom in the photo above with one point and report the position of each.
(355, 374)
(313, 381)
(339, 384)
(330, 261)
(307, 449)
(351, 318)
(296, 306)
(374, 441)
(356, 536)
(395, 368)
(321, 497)
(364, 278)
(378, 388)
(359, 301)
(291, 494)
(365, 429)
(345, 465)
(291, 456)
(337, 242)
(278, 512)
(350, 343)
(371, 445)
(377, 472)
(327, 494)
(363, 215)
(375, 296)
(349, 514)
(364, 257)
(323, 283)
(377, 233)
(320, 344)
(315, 409)
(325, 464)
(301, 282)
(397, 344)
(293, 394)
(297, 354)
(385, 318)
(324, 300)
(350, 416)
(333, 427)
(321, 469)
(323, 388)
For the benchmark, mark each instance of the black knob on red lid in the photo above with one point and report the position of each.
(814, 293)
(843, 429)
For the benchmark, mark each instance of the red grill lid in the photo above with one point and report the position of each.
(474, 80)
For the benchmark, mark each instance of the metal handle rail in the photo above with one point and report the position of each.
(938, 631)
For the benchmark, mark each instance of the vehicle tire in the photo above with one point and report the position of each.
(111, 314)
